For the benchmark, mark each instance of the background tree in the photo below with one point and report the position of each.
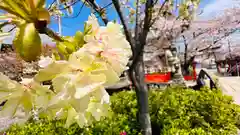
(206, 36)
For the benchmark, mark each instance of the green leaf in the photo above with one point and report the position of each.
(87, 29)
(27, 101)
(39, 3)
(17, 8)
(70, 47)
(79, 39)
(56, 55)
(61, 48)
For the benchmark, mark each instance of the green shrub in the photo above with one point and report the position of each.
(173, 111)
(113, 125)
(194, 112)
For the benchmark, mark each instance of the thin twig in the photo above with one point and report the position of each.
(125, 27)
(7, 23)
(219, 39)
(147, 23)
(104, 7)
(79, 12)
(3, 24)
(53, 35)
(51, 4)
(159, 12)
(97, 9)
(72, 4)
(12, 29)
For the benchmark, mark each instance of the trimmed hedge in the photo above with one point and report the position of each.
(173, 111)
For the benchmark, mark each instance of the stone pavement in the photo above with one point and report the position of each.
(231, 86)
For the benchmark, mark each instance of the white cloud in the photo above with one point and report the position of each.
(217, 7)
(45, 38)
(10, 39)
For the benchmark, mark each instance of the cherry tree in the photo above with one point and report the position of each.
(205, 36)
(144, 17)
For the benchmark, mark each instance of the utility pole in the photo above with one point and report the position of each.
(59, 20)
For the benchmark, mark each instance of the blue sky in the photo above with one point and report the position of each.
(215, 7)
(71, 25)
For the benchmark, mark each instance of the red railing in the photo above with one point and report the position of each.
(165, 77)
(157, 78)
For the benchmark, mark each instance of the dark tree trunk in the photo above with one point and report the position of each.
(186, 63)
(136, 70)
(137, 77)
(185, 54)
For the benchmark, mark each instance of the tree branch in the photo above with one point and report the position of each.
(4, 24)
(72, 4)
(219, 39)
(125, 27)
(147, 20)
(12, 29)
(143, 35)
(98, 9)
(105, 6)
(224, 36)
(51, 4)
(159, 12)
(138, 25)
(7, 23)
(52, 34)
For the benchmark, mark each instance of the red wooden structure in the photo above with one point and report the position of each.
(157, 77)
(166, 77)
(193, 76)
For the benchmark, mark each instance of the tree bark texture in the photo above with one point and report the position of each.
(137, 77)
(186, 63)
(136, 70)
